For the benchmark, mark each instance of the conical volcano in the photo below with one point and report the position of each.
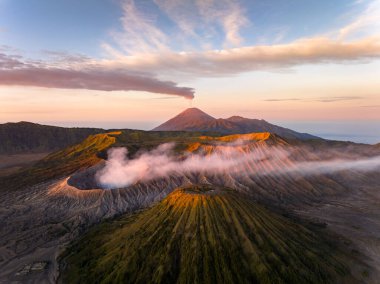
(194, 119)
(191, 118)
(203, 234)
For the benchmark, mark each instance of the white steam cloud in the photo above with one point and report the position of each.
(232, 158)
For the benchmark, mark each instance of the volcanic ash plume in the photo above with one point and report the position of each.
(234, 158)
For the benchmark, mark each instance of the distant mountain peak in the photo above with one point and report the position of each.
(196, 112)
(194, 119)
(189, 119)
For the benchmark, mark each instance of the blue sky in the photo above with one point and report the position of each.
(71, 26)
(82, 26)
(139, 62)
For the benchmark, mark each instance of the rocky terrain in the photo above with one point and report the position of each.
(328, 188)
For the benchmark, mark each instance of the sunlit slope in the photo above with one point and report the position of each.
(203, 235)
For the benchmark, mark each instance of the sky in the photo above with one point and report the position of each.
(313, 66)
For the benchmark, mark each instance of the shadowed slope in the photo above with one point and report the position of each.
(202, 235)
(27, 137)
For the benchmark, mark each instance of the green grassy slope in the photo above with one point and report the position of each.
(202, 235)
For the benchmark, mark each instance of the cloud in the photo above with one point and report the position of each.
(26, 112)
(140, 33)
(321, 99)
(229, 159)
(336, 165)
(194, 17)
(182, 13)
(160, 162)
(253, 58)
(367, 22)
(196, 23)
(141, 46)
(10, 61)
(61, 58)
(282, 100)
(337, 99)
(164, 98)
(371, 106)
(233, 19)
(14, 71)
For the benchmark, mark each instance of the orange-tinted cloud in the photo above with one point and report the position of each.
(254, 58)
(15, 72)
(320, 99)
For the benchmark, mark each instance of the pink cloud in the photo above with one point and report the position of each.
(233, 61)
(15, 72)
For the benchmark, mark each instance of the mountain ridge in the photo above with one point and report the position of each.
(23, 136)
(194, 119)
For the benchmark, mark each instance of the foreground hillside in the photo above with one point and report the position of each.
(203, 234)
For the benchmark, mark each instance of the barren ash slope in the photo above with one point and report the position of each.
(274, 188)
